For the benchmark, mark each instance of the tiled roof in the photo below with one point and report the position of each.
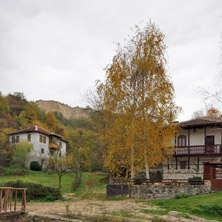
(36, 129)
(202, 121)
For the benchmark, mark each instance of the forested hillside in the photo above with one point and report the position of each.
(18, 113)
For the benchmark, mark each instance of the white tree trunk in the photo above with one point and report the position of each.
(132, 163)
(146, 166)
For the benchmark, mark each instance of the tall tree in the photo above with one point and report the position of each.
(60, 164)
(137, 104)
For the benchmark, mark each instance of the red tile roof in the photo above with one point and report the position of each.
(36, 129)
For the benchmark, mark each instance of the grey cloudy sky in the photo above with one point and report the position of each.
(57, 49)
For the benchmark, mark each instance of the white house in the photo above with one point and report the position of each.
(198, 151)
(44, 143)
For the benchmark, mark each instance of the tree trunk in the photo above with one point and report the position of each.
(146, 166)
(60, 180)
(132, 164)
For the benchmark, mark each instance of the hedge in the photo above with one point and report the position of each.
(36, 191)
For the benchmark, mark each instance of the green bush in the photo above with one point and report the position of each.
(35, 166)
(184, 195)
(35, 191)
(213, 209)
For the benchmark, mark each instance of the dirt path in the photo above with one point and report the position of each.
(128, 209)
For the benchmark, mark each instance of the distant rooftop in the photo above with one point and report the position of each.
(202, 121)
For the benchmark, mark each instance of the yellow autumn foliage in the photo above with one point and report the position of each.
(137, 104)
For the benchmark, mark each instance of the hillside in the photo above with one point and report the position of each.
(66, 111)
(81, 131)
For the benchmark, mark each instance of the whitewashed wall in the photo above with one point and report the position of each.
(197, 137)
(36, 154)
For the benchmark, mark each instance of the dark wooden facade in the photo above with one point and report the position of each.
(213, 172)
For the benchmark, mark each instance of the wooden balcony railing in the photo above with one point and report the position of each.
(54, 146)
(199, 150)
(8, 200)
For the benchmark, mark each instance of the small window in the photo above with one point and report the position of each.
(60, 144)
(183, 165)
(50, 140)
(29, 137)
(42, 151)
(17, 139)
(44, 139)
(40, 138)
(13, 139)
(182, 140)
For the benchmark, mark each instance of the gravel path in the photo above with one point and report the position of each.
(98, 207)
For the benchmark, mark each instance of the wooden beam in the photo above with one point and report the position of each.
(1, 200)
(189, 148)
(15, 200)
(205, 135)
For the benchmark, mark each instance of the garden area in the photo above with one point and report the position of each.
(89, 200)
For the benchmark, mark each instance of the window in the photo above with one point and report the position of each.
(40, 138)
(44, 139)
(60, 144)
(42, 151)
(13, 139)
(183, 165)
(17, 139)
(29, 137)
(182, 140)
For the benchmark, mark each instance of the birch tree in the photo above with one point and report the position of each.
(137, 104)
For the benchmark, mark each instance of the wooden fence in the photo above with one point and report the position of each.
(9, 200)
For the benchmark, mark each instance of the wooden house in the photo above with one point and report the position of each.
(198, 151)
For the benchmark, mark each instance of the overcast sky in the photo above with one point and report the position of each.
(57, 49)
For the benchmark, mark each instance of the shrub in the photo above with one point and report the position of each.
(195, 181)
(36, 191)
(209, 209)
(140, 178)
(184, 195)
(35, 166)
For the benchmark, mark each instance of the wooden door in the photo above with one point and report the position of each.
(216, 180)
(207, 171)
(209, 141)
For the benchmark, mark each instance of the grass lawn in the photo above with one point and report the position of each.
(208, 206)
(90, 181)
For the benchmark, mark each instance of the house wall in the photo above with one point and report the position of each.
(63, 148)
(197, 136)
(173, 173)
(36, 154)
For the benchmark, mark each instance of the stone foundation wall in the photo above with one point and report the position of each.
(194, 171)
(168, 191)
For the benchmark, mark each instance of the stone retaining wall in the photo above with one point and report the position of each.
(168, 191)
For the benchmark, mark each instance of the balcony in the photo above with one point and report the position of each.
(54, 146)
(198, 150)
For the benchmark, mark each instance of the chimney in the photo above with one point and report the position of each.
(36, 128)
